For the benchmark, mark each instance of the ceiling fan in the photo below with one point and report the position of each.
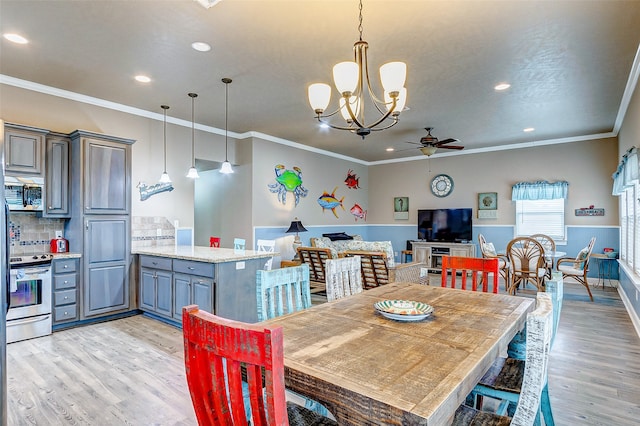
(429, 143)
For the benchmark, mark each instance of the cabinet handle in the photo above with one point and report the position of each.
(190, 268)
(66, 266)
(66, 313)
(66, 282)
(50, 208)
(154, 263)
(87, 225)
(66, 297)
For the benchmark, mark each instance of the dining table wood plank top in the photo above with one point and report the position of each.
(371, 370)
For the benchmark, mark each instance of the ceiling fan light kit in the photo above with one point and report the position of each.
(350, 78)
(430, 144)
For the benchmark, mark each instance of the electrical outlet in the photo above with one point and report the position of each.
(158, 232)
(58, 234)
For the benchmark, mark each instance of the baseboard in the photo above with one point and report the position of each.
(632, 314)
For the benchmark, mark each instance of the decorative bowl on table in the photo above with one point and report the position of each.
(403, 310)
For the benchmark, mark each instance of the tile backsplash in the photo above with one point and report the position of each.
(31, 234)
(151, 231)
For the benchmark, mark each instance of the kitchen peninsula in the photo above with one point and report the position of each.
(219, 280)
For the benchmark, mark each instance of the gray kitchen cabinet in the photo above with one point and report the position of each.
(192, 290)
(24, 150)
(156, 280)
(100, 224)
(65, 291)
(57, 177)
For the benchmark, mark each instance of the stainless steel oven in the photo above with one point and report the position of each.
(30, 296)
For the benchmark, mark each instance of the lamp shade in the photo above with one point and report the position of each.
(319, 96)
(346, 76)
(296, 226)
(429, 150)
(226, 168)
(393, 75)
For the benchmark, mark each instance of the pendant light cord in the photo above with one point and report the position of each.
(226, 81)
(193, 132)
(165, 108)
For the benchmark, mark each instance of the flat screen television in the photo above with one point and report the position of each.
(445, 225)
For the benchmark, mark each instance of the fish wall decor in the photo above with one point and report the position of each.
(329, 201)
(148, 191)
(358, 212)
(288, 181)
(352, 181)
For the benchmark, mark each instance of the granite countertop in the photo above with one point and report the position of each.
(202, 254)
(66, 256)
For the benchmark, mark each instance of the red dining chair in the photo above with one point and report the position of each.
(481, 270)
(214, 242)
(216, 351)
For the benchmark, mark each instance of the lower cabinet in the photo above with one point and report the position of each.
(167, 285)
(65, 291)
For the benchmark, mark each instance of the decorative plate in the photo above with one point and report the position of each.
(403, 310)
(441, 185)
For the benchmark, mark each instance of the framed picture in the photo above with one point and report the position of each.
(401, 208)
(488, 201)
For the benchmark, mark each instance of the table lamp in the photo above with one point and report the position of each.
(296, 226)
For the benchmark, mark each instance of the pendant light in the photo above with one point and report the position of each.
(226, 166)
(193, 173)
(164, 178)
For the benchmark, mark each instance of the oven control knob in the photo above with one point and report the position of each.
(34, 257)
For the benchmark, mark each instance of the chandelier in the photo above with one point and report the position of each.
(352, 82)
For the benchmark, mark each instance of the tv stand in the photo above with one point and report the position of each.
(431, 252)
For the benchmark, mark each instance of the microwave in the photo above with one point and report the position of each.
(24, 193)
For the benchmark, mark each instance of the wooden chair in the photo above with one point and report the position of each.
(216, 352)
(504, 378)
(239, 244)
(344, 277)
(266, 246)
(534, 376)
(316, 258)
(282, 291)
(373, 266)
(481, 270)
(214, 241)
(489, 252)
(528, 263)
(549, 250)
(579, 267)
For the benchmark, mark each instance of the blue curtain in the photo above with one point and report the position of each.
(627, 173)
(540, 190)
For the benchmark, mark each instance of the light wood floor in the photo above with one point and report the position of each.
(131, 372)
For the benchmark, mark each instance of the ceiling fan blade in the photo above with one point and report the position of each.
(413, 143)
(444, 141)
(452, 147)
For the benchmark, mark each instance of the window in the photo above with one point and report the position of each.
(541, 217)
(626, 185)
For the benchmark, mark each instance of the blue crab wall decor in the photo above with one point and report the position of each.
(288, 181)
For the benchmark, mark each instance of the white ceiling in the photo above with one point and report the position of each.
(568, 62)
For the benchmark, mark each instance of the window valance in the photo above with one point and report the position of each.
(540, 190)
(627, 173)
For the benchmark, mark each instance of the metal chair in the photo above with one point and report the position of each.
(529, 401)
(489, 252)
(218, 352)
(267, 246)
(480, 269)
(344, 277)
(579, 267)
(528, 263)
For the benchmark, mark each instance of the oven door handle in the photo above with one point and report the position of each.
(23, 321)
(7, 241)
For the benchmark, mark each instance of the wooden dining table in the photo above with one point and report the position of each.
(371, 370)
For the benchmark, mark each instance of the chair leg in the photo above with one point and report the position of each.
(545, 406)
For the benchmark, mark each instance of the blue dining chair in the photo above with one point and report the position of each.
(284, 291)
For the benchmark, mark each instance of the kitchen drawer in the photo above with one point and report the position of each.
(64, 281)
(155, 262)
(63, 266)
(202, 269)
(65, 313)
(64, 297)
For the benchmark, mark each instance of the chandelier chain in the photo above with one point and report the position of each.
(360, 19)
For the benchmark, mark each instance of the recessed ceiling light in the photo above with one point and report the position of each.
(201, 46)
(528, 129)
(502, 86)
(142, 78)
(16, 38)
(390, 149)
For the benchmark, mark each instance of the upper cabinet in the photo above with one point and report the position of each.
(24, 150)
(57, 177)
(106, 166)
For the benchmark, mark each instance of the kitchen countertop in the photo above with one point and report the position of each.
(202, 254)
(69, 255)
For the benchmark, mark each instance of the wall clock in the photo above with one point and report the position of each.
(441, 185)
